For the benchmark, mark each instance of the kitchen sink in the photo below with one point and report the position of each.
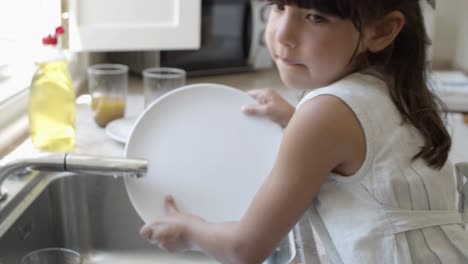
(93, 216)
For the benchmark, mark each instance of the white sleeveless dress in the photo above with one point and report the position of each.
(393, 210)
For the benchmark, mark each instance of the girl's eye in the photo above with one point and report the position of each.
(277, 7)
(317, 18)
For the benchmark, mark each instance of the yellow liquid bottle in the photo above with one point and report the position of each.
(52, 108)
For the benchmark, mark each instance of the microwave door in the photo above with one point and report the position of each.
(225, 40)
(259, 57)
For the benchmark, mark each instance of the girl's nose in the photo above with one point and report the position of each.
(287, 31)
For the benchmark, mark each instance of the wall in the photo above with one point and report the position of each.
(461, 50)
(446, 40)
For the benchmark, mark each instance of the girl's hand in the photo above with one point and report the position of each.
(271, 105)
(170, 231)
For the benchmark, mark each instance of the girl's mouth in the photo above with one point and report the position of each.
(289, 62)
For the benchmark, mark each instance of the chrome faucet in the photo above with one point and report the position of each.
(79, 164)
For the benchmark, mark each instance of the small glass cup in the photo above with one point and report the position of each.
(158, 81)
(108, 86)
(52, 256)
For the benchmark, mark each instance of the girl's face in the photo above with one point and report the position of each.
(310, 49)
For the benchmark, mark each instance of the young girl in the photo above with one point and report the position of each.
(364, 153)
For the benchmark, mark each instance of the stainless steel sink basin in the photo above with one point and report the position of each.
(92, 215)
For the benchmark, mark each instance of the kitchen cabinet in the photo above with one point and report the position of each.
(123, 25)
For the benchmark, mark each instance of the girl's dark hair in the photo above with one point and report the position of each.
(403, 63)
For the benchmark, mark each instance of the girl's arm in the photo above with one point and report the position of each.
(320, 138)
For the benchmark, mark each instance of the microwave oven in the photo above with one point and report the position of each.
(232, 40)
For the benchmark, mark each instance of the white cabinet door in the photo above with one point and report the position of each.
(118, 25)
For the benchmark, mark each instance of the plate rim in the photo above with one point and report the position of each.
(113, 135)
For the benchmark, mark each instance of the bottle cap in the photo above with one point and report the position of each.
(49, 40)
(59, 31)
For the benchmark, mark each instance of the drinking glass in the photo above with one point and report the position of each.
(52, 256)
(108, 86)
(159, 80)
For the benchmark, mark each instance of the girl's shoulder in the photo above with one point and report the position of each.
(361, 88)
(328, 125)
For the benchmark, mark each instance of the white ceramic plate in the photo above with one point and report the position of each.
(120, 129)
(203, 150)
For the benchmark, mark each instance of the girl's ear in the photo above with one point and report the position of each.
(383, 32)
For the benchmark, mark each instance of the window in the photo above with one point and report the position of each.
(23, 23)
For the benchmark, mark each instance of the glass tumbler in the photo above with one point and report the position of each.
(52, 256)
(108, 86)
(158, 81)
